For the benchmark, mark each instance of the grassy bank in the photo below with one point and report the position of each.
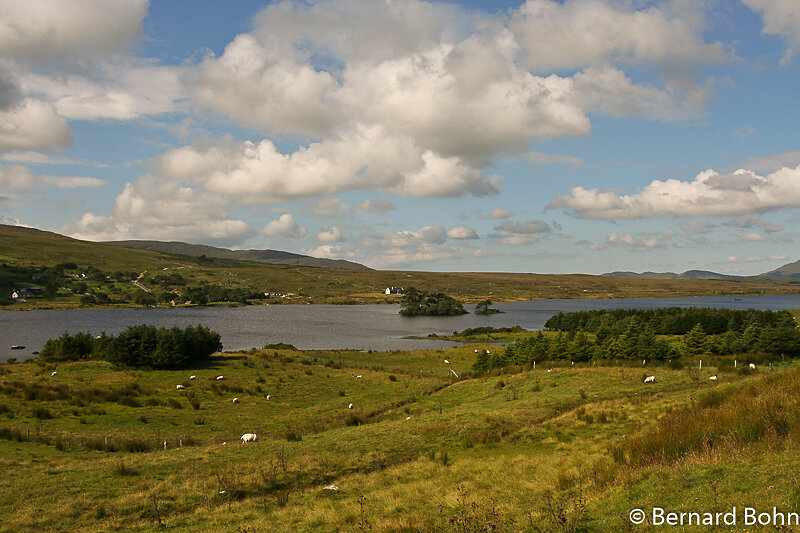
(567, 450)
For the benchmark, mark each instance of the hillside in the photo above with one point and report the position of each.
(791, 270)
(28, 256)
(275, 257)
(116, 449)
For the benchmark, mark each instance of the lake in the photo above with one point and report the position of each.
(308, 327)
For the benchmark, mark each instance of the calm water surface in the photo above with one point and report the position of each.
(308, 327)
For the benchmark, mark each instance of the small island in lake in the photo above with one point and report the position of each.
(484, 308)
(416, 302)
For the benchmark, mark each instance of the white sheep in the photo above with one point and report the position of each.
(249, 437)
(408, 418)
(331, 487)
(179, 387)
(650, 379)
(192, 377)
(752, 366)
(350, 406)
(236, 400)
(713, 378)
(54, 374)
(269, 397)
(220, 377)
(446, 362)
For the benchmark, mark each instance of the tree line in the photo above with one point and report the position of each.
(138, 346)
(655, 334)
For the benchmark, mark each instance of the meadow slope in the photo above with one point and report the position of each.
(419, 451)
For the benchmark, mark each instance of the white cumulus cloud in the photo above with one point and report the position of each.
(462, 232)
(709, 194)
(330, 234)
(782, 18)
(47, 30)
(284, 226)
(16, 178)
(521, 231)
(33, 124)
(147, 209)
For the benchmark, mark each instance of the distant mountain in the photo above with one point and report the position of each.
(789, 270)
(689, 274)
(274, 257)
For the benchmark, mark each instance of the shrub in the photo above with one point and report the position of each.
(293, 435)
(353, 419)
(175, 404)
(124, 469)
(42, 413)
(392, 377)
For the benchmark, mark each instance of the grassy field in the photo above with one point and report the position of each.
(27, 247)
(574, 449)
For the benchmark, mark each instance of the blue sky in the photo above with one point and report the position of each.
(540, 136)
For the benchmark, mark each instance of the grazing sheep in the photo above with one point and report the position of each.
(236, 400)
(446, 362)
(220, 377)
(650, 379)
(713, 378)
(192, 377)
(249, 437)
(331, 487)
(476, 350)
(350, 406)
(408, 418)
(54, 374)
(269, 397)
(179, 387)
(752, 366)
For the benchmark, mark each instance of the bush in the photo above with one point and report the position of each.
(42, 413)
(293, 435)
(353, 419)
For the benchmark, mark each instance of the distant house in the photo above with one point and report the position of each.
(26, 292)
(394, 290)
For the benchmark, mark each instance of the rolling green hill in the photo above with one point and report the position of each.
(98, 448)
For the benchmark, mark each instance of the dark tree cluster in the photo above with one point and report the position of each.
(667, 320)
(138, 346)
(632, 334)
(416, 302)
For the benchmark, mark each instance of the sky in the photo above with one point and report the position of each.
(573, 136)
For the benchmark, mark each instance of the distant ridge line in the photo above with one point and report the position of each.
(275, 257)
